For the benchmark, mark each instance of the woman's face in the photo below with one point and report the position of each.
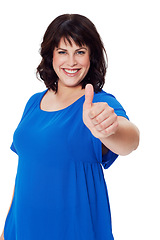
(71, 63)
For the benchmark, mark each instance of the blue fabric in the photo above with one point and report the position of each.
(60, 190)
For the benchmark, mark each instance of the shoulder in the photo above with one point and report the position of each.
(34, 99)
(36, 96)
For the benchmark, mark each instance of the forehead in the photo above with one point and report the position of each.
(69, 43)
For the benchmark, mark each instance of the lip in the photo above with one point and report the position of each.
(71, 71)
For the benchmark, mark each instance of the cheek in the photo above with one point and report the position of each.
(86, 62)
(88, 65)
(57, 61)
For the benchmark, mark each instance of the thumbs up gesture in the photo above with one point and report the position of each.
(99, 117)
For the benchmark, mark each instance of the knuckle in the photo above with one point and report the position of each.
(115, 117)
(105, 104)
(101, 125)
(116, 124)
(106, 131)
(112, 110)
(91, 113)
(96, 120)
(115, 127)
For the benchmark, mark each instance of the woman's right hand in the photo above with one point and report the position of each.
(2, 236)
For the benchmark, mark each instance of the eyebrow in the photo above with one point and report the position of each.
(66, 49)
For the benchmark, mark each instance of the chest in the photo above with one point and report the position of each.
(62, 134)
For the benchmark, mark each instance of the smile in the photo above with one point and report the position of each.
(70, 72)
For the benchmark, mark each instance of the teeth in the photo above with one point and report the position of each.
(71, 71)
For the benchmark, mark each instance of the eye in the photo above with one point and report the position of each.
(81, 52)
(61, 52)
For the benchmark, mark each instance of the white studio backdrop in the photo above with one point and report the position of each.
(130, 32)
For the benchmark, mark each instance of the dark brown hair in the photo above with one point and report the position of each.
(83, 32)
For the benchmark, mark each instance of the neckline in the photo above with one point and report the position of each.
(56, 111)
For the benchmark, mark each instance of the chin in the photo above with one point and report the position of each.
(72, 84)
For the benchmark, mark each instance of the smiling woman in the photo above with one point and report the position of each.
(65, 136)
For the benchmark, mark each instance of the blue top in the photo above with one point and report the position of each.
(60, 189)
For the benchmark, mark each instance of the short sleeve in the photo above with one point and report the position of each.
(13, 148)
(112, 102)
(28, 106)
(107, 159)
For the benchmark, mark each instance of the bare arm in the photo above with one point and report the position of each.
(124, 140)
(2, 236)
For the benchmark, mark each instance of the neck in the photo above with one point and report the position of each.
(65, 91)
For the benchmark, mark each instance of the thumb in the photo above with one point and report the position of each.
(89, 93)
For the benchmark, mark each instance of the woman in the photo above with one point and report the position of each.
(66, 134)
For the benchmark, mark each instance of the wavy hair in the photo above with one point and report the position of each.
(83, 32)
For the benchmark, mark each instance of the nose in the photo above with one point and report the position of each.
(71, 60)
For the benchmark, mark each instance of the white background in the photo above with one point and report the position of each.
(130, 32)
